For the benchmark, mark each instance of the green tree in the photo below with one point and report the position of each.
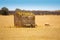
(4, 11)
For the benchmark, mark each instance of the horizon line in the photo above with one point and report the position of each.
(33, 9)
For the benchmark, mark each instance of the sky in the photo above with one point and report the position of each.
(31, 4)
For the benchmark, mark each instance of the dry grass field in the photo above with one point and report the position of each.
(40, 32)
(52, 20)
(7, 20)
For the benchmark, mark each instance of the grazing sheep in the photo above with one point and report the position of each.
(47, 24)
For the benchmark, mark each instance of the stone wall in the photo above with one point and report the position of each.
(23, 20)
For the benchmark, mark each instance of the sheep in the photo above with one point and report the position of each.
(47, 24)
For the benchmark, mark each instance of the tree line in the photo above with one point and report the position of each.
(5, 11)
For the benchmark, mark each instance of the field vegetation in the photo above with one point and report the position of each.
(47, 25)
